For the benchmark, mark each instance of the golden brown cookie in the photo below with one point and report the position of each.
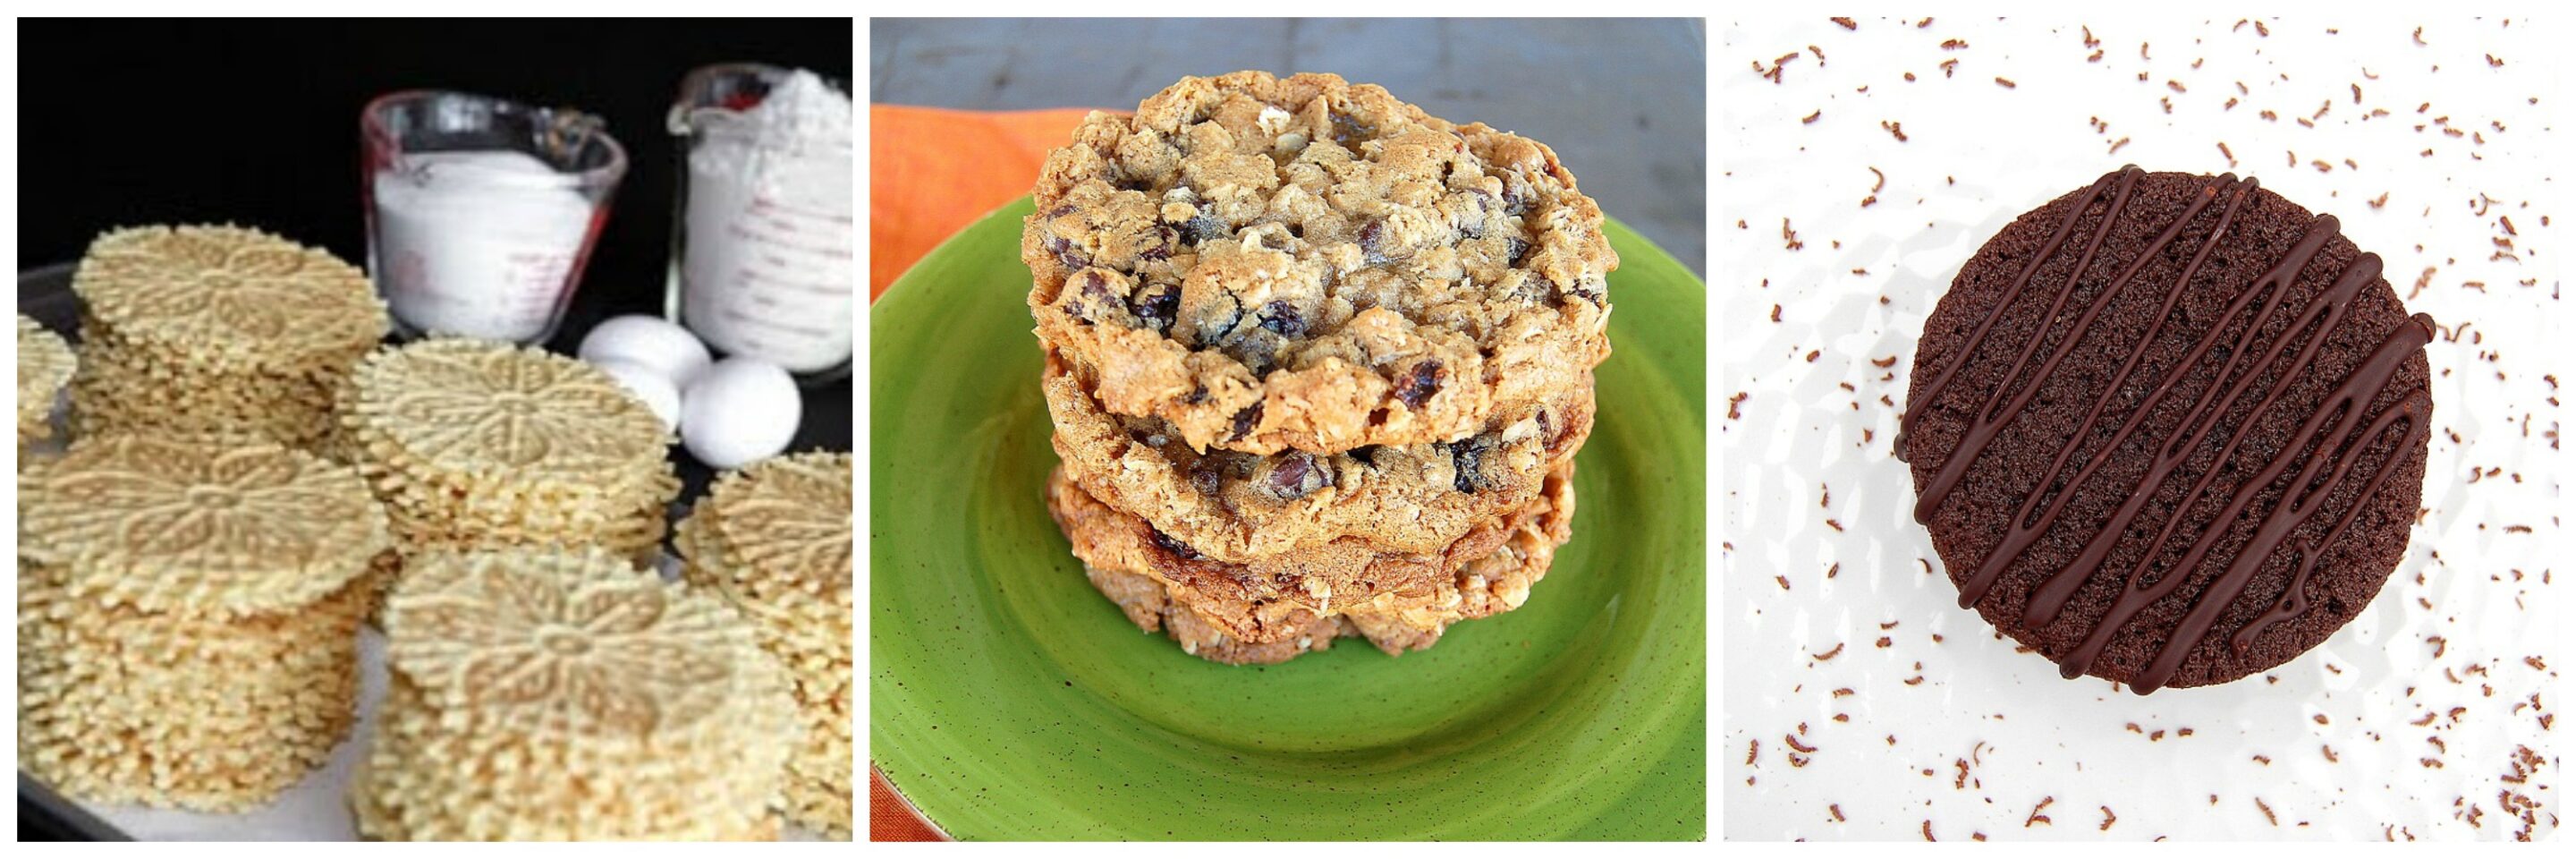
(187, 618)
(1240, 508)
(773, 540)
(217, 330)
(45, 364)
(541, 694)
(1267, 264)
(1224, 614)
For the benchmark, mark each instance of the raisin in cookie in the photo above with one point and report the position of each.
(1239, 507)
(1266, 264)
(1222, 625)
(1328, 579)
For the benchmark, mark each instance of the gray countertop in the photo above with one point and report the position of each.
(1623, 102)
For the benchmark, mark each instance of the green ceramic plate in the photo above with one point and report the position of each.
(1008, 700)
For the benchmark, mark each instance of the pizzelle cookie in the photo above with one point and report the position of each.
(1242, 508)
(541, 694)
(187, 618)
(2169, 430)
(1268, 264)
(1207, 609)
(773, 540)
(474, 444)
(217, 330)
(45, 364)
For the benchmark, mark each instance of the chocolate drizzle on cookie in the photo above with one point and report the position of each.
(2325, 452)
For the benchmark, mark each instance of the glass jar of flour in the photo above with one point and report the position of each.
(481, 211)
(763, 259)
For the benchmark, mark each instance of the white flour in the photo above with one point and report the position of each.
(768, 268)
(477, 243)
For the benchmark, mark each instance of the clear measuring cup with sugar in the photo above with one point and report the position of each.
(481, 211)
(763, 259)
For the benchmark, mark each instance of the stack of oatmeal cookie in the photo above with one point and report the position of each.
(1318, 362)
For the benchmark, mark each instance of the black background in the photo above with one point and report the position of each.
(256, 122)
(133, 122)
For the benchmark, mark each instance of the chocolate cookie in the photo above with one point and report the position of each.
(2169, 430)
(1268, 264)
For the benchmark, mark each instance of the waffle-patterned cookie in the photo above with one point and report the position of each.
(555, 695)
(474, 444)
(217, 329)
(45, 364)
(1266, 264)
(773, 540)
(187, 617)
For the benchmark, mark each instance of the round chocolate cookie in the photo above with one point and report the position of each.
(2169, 430)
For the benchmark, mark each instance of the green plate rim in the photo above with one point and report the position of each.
(1669, 365)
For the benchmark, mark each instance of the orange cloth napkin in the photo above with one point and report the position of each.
(930, 173)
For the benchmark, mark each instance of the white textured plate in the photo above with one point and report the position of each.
(1859, 700)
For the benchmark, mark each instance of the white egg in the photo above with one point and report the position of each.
(738, 411)
(650, 342)
(646, 384)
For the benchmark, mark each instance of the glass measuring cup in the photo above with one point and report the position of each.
(482, 211)
(763, 250)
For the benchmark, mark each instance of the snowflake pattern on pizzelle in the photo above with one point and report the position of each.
(226, 283)
(561, 645)
(790, 517)
(176, 519)
(465, 400)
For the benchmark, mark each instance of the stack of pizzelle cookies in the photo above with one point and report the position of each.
(251, 474)
(473, 444)
(1318, 362)
(772, 541)
(45, 365)
(217, 329)
(545, 694)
